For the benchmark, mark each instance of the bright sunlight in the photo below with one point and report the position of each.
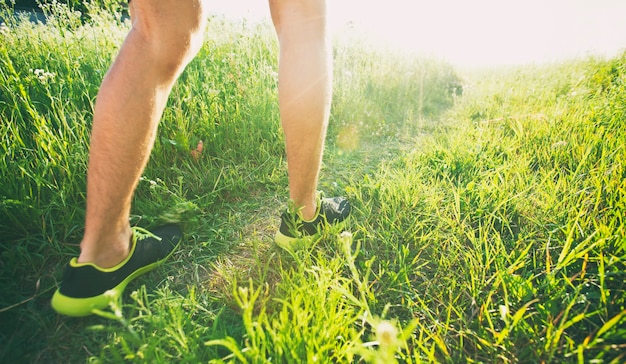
(481, 32)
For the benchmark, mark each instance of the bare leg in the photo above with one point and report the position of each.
(304, 92)
(165, 36)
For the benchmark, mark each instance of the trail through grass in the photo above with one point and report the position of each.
(488, 226)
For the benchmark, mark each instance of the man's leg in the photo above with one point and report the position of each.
(304, 92)
(304, 95)
(165, 36)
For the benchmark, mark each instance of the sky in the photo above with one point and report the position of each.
(474, 32)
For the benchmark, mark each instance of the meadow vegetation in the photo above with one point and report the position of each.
(488, 221)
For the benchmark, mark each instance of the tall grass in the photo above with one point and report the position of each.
(512, 222)
(487, 227)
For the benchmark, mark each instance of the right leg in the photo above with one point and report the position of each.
(304, 97)
(304, 93)
(165, 36)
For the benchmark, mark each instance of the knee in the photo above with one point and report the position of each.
(174, 50)
(299, 19)
(172, 40)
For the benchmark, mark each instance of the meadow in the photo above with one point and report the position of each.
(488, 221)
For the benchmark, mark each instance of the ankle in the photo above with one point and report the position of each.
(106, 250)
(308, 212)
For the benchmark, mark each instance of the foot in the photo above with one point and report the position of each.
(87, 287)
(293, 227)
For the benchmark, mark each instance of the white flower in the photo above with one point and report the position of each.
(43, 75)
(346, 239)
(386, 334)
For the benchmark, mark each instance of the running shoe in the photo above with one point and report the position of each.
(293, 227)
(86, 287)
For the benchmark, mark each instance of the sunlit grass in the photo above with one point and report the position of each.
(487, 227)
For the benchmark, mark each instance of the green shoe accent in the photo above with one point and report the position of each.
(87, 287)
(294, 231)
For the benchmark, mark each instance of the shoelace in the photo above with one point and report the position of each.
(140, 233)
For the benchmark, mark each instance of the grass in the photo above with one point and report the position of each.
(487, 227)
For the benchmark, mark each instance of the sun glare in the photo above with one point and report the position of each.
(480, 32)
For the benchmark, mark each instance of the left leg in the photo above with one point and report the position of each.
(165, 36)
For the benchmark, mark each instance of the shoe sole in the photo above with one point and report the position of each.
(286, 242)
(290, 243)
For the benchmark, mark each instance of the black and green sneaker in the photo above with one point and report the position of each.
(293, 227)
(87, 287)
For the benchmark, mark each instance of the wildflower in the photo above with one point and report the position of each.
(43, 75)
(387, 337)
(345, 238)
(386, 334)
(4, 29)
